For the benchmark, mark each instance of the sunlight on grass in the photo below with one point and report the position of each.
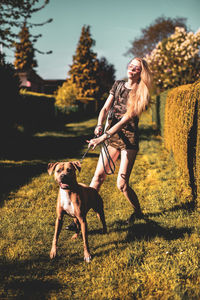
(155, 258)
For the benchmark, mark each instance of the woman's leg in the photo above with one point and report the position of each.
(100, 175)
(127, 161)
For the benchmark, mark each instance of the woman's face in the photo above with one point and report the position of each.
(134, 69)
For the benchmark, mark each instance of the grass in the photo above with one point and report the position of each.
(156, 258)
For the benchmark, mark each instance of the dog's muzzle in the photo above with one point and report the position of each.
(65, 181)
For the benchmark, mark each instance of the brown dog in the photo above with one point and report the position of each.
(75, 199)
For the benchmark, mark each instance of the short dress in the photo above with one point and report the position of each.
(128, 136)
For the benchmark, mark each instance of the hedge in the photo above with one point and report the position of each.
(158, 110)
(37, 112)
(181, 131)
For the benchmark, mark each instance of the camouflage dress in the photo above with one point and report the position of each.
(127, 137)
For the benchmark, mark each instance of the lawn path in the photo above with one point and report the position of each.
(155, 258)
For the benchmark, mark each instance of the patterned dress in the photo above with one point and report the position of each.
(127, 137)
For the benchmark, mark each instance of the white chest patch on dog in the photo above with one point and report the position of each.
(66, 202)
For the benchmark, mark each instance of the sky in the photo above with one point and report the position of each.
(114, 24)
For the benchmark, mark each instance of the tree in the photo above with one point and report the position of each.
(105, 77)
(24, 55)
(9, 112)
(13, 13)
(176, 60)
(83, 71)
(161, 28)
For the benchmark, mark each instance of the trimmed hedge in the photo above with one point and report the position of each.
(158, 110)
(9, 99)
(181, 130)
(37, 112)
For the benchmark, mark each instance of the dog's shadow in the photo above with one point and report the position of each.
(150, 230)
(144, 230)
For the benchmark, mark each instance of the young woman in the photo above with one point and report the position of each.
(127, 100)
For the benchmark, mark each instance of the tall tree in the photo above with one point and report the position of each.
(161, 28)
(105, 77)
(83, 71)
(12, 16)
(24, 54)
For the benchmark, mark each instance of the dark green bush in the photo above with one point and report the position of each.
(9, 111)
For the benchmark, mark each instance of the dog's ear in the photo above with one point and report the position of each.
(77, 165)
(51, 167)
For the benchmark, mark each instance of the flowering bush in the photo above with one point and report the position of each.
(176, 60)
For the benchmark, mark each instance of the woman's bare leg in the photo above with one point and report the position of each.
(127, 161)
(100, 175)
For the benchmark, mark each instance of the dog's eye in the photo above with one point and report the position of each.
(59, 170)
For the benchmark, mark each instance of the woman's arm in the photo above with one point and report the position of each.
(102, 115)
(114, 129)
(104, 111)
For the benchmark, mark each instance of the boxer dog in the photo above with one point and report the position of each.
(75, 199)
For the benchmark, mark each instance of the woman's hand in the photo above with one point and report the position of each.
(95, 142)
(98, 130)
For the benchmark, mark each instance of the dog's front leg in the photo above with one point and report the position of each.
(58, 227)
(83, 223)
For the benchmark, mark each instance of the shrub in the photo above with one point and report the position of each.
(158, 110)
(37, 112)
(9, 98)
(66, 94)
(180, 130)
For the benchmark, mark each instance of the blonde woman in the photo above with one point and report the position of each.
(121, 134)
(128, 99)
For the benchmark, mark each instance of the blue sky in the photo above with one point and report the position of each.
(114, 25)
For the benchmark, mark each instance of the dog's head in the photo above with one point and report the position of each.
(64, 173)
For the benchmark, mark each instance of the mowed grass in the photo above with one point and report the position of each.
(155, 258)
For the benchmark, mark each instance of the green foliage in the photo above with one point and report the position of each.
(24, 54)
(12, 16)
(161, 102)
(37, 112)
(160, 29)
(9, 112)
(105, 78)
(83, 71)
(67, 94)
(147, 260)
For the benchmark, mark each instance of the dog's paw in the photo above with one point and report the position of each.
(87, 259)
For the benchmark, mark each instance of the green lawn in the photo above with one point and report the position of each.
(156, 258)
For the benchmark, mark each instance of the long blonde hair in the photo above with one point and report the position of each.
(139, 96)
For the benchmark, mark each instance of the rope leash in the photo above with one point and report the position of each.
(111, 163)
(84, 155)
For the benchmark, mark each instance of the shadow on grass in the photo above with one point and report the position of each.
(148, 230)
(23, 282)
(188, 206)
(24, 157)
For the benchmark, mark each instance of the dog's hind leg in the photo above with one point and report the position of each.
(100, 214)
(78, 228)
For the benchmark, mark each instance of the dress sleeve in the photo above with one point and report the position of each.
(113, 89)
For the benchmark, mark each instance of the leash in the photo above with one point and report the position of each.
(84, 155)
(111, 163)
